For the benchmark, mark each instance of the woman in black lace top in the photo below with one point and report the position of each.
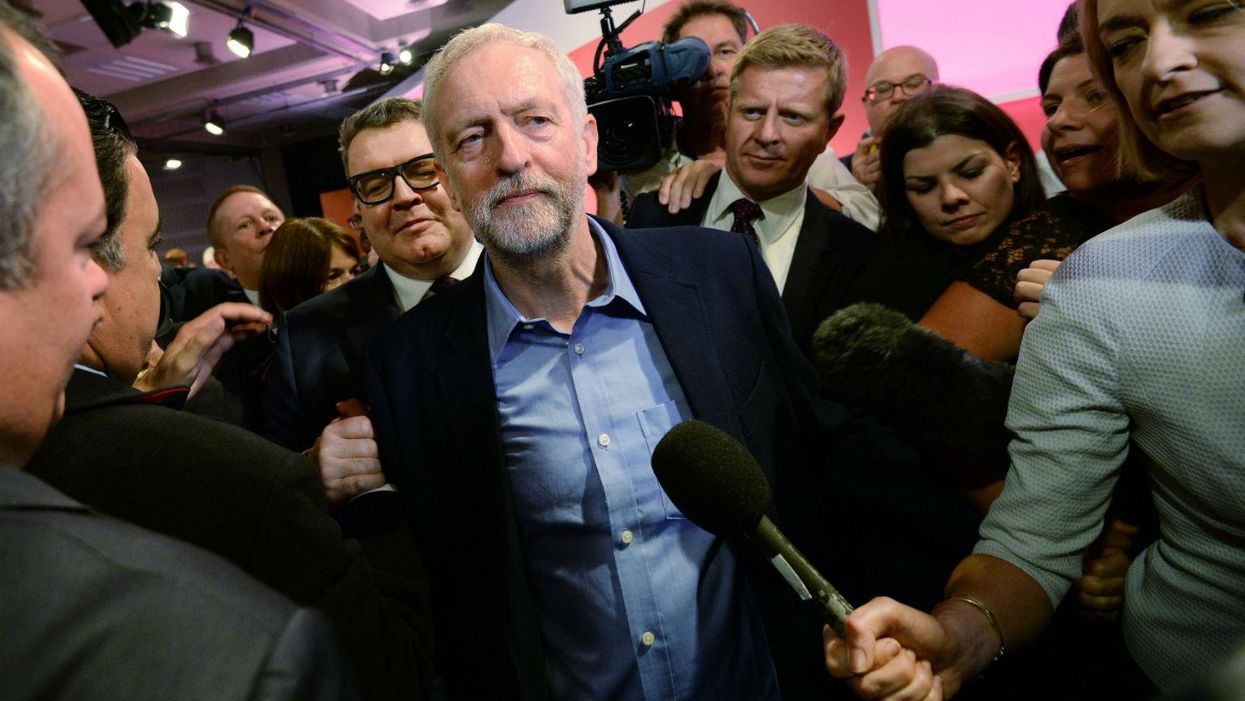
(956, 172)
(978, 311)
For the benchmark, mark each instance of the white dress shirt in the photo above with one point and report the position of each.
(778, 231)
(410, 291)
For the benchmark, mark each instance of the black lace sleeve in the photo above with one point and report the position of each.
(1053, 231)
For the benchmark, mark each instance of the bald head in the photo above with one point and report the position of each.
(893, 67)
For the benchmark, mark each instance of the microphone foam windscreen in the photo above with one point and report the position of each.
(713, 479)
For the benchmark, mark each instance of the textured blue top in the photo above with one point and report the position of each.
(1141, 339)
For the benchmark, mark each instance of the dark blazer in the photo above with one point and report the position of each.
(321, 357)
(191, 291)
(721, 323)
(829, 255)
(255, 504)
(100, 609)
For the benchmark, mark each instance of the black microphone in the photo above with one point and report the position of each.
(717, 484)
(944, 401)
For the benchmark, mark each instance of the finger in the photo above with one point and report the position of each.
(353, 486)
(663, 190)
(1101, 603)
(1034, 275)
(836, 653)
(236, 313)
(902, 678)
(350, 428)
(336, 468)
(1045, 264)
(349, 450)
(1029, 291)
(1029, 310)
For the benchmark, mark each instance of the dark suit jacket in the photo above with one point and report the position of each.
(191, 291)
(722, 325)
(321, 357)
(100, 609)
(255, 504)
(829, 255)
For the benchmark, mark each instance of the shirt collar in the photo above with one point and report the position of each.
(503, 317)
(410, 291)
(779, 211)
(80, 366)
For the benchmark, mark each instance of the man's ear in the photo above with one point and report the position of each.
(222, 260)
(589, 139)
(1012, 156)
(836, 123)
(444, 179)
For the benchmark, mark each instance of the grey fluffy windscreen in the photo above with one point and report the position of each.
(711, 478)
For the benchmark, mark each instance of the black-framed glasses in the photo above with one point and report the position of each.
(377, 186)
(914, 84)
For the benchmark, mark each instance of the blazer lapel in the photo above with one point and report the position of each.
(812, 264)
(676, 310)
(370, 307)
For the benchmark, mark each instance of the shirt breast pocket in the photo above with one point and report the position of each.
(655, 422)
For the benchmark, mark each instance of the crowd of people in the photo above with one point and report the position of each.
(421, 467)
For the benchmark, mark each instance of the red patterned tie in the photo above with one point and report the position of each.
(746, 211)
(443, 283)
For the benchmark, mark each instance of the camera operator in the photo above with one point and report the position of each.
(699, 137)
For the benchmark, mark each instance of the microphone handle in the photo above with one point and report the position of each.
(800, 574)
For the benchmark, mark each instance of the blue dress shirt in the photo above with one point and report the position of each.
(634, 601)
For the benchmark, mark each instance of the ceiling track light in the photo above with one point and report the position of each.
(172, 17)
(241, 41)
(214, 124)
(387, 62)
(405, 55)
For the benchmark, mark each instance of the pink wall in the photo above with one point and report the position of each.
(989, 46)
(846, 21)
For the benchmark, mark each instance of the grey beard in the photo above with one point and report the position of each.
(540, 231)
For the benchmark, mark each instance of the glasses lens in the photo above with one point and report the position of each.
(419, 173)
(880, 91)
(915, 83)
(374, 188)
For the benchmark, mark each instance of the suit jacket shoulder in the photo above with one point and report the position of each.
(321, 357)
(260, 506)
(100, 609)
(646, 211)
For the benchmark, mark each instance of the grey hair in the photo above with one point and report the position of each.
(468, 41)
(30, 156)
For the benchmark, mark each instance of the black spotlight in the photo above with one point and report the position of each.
(241, 41)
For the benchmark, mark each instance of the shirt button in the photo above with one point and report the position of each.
(647, 639)
(579, 349)
(603, 440)
(627, 537)
(528, 327)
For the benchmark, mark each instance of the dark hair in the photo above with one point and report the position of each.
(1069, 24)
(1070, 45)
(30, 155)
(378, 115)
(113, 142)
(692, 9)
(296, 262)
(216, 235)
(941, 111)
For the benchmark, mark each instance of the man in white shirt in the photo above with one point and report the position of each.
(424, 244)
(786, 87)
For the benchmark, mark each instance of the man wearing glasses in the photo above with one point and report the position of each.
(424, 245)
(894, 76)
